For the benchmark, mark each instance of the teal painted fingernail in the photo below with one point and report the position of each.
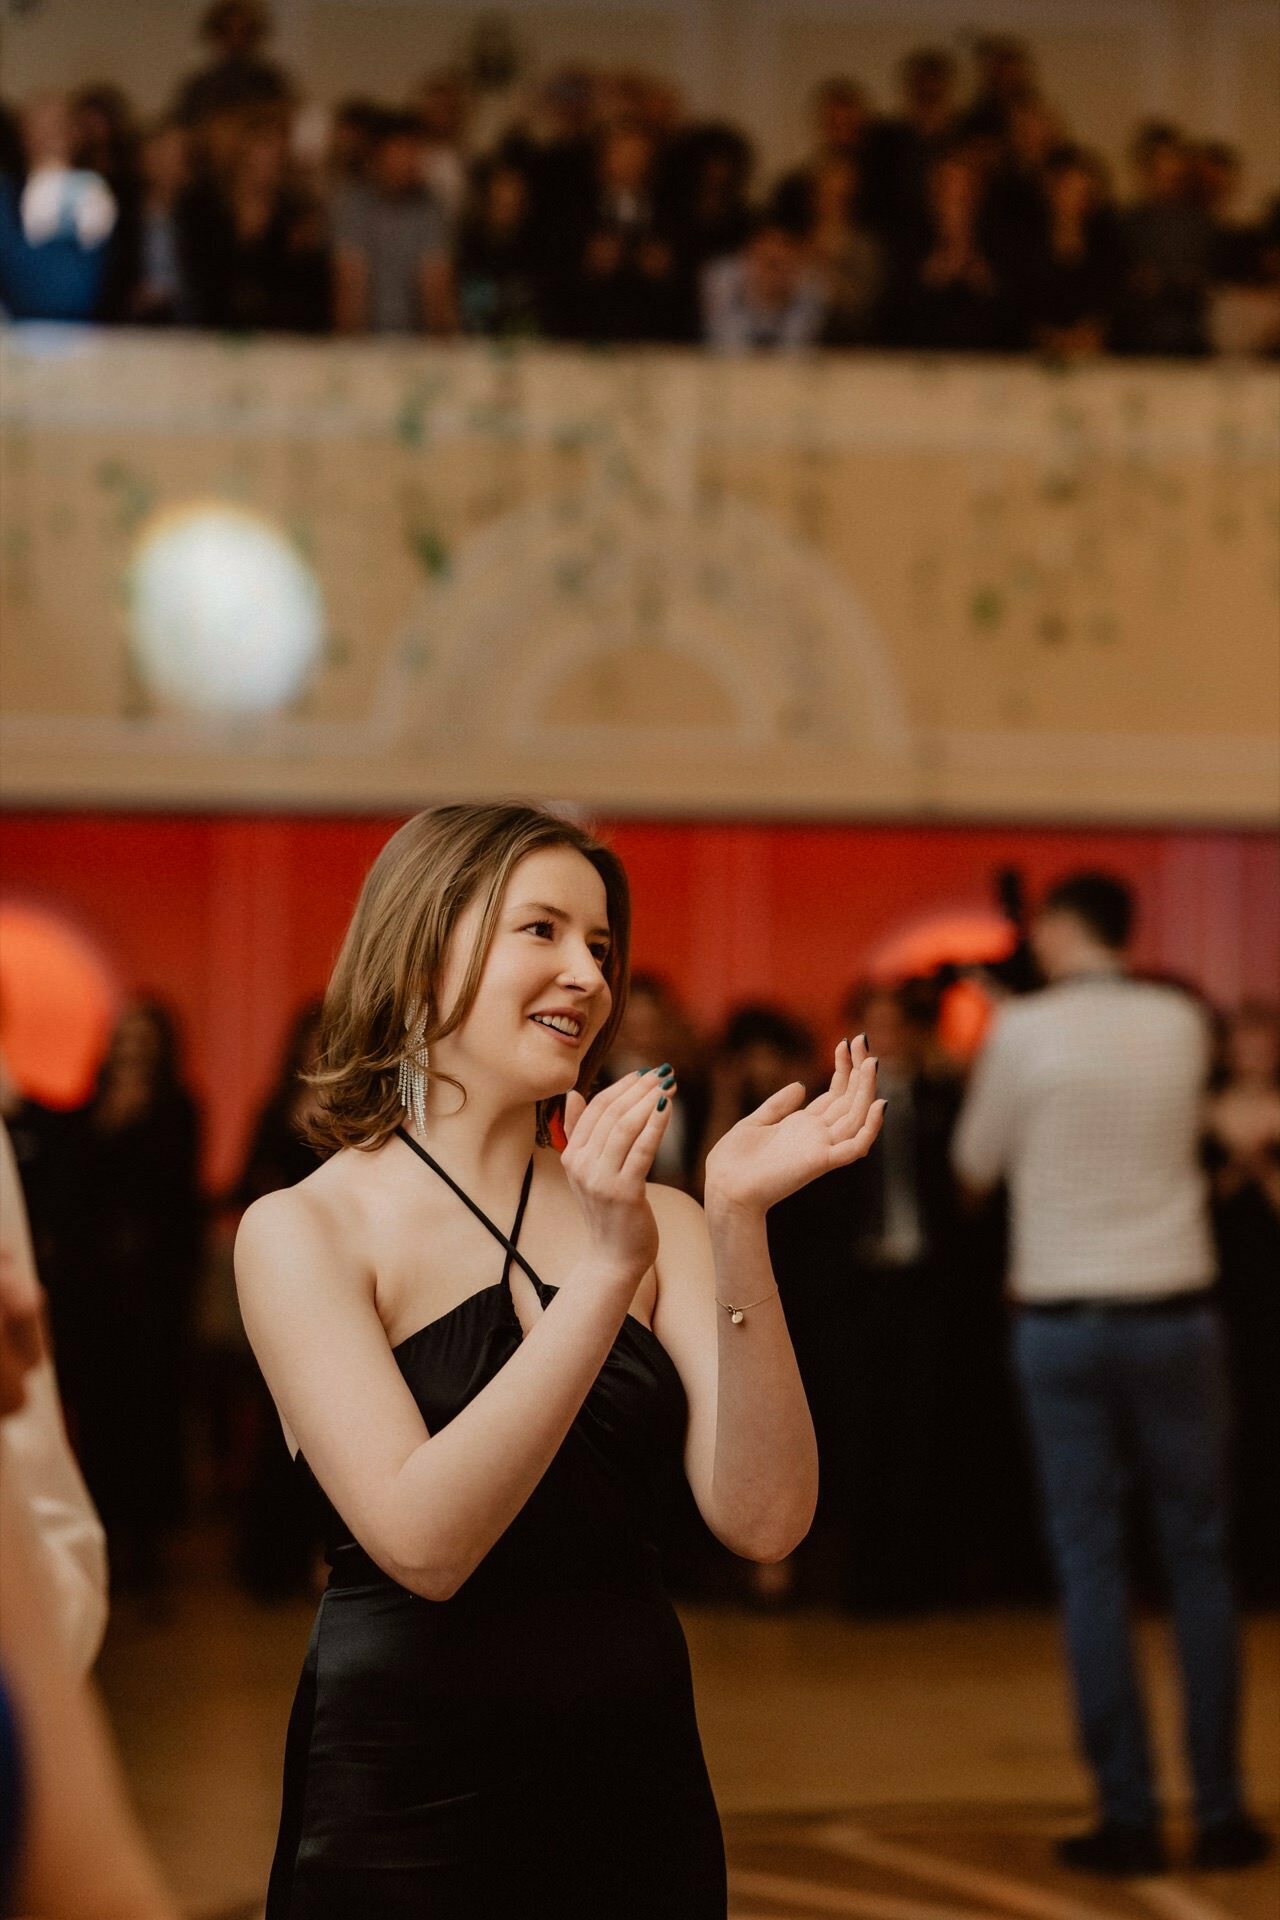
(641, 1072)
(665, 1067)
(662, 1101)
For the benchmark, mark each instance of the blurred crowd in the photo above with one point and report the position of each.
(894, 1291)
(962, 216)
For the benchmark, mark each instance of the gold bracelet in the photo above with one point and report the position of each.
(736, 1313)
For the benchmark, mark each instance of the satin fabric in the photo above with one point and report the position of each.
(527, 1750)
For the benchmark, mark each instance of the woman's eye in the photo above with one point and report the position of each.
(545, 930)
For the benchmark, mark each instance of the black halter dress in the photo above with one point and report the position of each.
(528, 1749)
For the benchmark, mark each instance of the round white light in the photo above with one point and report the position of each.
(227, 617)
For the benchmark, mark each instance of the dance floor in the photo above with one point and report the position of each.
(899, 1771)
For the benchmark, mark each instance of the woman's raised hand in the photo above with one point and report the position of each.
(611, 1145)
(785, 1144)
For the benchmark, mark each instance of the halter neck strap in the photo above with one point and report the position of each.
(513, 1252)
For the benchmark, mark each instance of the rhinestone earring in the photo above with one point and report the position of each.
(413, 1070)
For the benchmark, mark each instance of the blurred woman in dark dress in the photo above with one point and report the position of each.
(655, 1026)
(1242, 1148)
(277, 1536)
(138, 1230)
(278, 1155)
(764, 1045)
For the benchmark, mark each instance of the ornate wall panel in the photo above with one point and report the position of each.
(836, 585)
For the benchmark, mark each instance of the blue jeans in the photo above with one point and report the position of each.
(1119, 1400)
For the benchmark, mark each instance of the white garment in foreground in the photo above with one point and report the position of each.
(39, 1467)
(1088, 1100)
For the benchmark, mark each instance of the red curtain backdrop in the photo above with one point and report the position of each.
(236, 920)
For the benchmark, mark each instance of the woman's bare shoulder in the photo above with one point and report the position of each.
(675, 1209)
(684, 1247)
(323, 1214)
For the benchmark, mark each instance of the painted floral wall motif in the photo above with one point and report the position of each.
(829, 584)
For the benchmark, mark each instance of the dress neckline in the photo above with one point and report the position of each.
(631, 1320)
(541, 1287)
(450, 1313)
(513, 1251)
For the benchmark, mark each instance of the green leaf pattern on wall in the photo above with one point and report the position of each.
(665, 504)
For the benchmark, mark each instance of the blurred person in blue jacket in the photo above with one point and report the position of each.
(56, 222)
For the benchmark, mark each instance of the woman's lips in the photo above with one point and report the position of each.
(573, 1040)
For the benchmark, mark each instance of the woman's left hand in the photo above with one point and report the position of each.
(785, 1144)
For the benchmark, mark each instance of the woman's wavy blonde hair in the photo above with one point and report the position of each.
(389, 970)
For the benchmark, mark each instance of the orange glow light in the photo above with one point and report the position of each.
(965, 940)
(57, 1005)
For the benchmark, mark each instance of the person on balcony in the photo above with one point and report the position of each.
(769, 296)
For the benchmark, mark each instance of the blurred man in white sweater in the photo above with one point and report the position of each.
(1088, 1101)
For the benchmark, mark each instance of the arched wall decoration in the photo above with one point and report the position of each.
(794, 653)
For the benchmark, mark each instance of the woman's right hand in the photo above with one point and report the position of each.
(611, 1146)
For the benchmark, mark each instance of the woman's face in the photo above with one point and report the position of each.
(135, 1045)
(1071, 192)
(508, 197)
(842, 120)
(164, 159)
(834, 189)
(627, 161)
(718, 177)
(543, 995)
(954, 187)
(264, 157)
(94, 131)
(888, 1036)
(1032, 131)
(646, 1030)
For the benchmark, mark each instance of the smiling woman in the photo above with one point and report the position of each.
(440, 864)
(496, 1715)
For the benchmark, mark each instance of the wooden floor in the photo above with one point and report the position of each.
(907, 1771)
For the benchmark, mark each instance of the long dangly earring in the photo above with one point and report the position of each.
(413, 1069)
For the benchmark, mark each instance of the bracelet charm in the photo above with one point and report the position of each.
(738, 1314)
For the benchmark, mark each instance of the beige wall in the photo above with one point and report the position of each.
(839, 585)
(1214, 64)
